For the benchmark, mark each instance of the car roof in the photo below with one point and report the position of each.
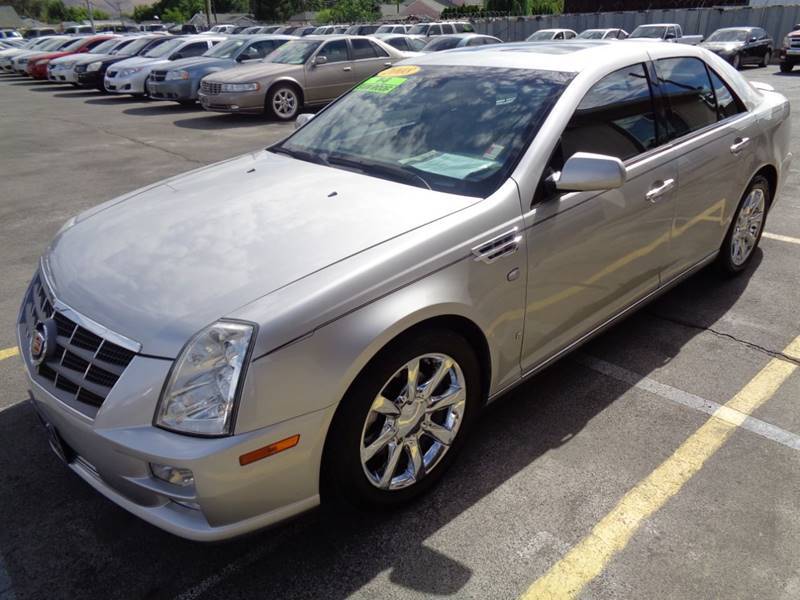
(570, 56)
(465, 34)
(554, 29)
(743, 28)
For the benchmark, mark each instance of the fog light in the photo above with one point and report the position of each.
(173, 475)
(234, 107)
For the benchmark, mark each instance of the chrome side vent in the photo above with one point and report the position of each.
(496, 248)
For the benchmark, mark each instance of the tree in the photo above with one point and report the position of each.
(353, 11)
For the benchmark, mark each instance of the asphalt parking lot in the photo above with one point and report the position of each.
(604, 474)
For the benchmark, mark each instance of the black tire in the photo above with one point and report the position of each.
(767, 58)
(187, 102)
(736, 61)
(275, 92)
(786, 67)
(725, 260)
(343, 477)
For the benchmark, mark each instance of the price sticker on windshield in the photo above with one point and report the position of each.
(381, 85)
(403, 71)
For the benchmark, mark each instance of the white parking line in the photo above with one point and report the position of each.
(781, 238)
(730, 415)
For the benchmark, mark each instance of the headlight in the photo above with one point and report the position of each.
(172, 75)
(129, 72)
(95, 66)
(787, 42)
(240, 87)
(202, 389)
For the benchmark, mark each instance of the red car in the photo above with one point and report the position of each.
(37, 65)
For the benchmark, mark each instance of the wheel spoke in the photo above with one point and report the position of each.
(384, 406)
(395, 452)
(413, 377)
(452, 396)
(386, 436)
(431, 385)
(415, 458)
(441, 434)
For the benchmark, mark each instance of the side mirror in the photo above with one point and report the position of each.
(176, 56)
(585, 172)
(669, 36)
(753, 39)
(320, 59)
(302, 119)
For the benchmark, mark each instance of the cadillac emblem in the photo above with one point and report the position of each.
(42, 342)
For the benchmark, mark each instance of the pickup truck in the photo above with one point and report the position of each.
(789, 53)
(664, 32)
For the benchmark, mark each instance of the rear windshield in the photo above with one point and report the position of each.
(441, 43)
(729, 35)
(452, 129)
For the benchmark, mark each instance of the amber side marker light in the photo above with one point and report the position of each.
(285, 444)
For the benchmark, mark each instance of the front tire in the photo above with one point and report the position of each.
(766, 59)
(283, 102)
(746, 228)
(403, 421)
(786, 67)
(737, 61)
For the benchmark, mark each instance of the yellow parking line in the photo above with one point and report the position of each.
(589, 557)
(781, 238)
(8, 353)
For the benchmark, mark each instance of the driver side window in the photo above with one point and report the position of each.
(335, 51)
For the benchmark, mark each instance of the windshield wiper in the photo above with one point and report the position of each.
(301, 155)
(391, 171)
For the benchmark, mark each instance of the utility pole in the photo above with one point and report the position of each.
(89, 10)
(208, 13)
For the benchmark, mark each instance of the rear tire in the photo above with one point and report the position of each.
(736, 61)
(746, 228)
(767, 58)
(786, 67)
(380, 454)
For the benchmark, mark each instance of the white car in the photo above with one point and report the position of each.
(546, 35)
(31, 47)
(129, 76)
(603, 34)
(62, 69)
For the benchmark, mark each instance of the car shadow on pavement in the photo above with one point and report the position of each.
(115, 99)
(76, 93)
(61, 537)
(53, 88)
(162, 108)
(221, 121)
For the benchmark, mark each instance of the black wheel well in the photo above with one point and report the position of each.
(290, 84)
(770, 173)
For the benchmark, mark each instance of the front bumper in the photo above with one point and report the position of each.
(92, 79)
(112, 450)
(132, 84)
(37, 71)
(790, 55)
(62, 75)
(237, 102)
(177, 89)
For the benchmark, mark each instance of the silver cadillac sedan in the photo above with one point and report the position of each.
(326, 318)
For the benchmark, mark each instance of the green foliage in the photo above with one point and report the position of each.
(55, 11)
(354, 11)
(324, 16)
(525, 7)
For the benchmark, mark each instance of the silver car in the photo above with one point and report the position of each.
(327, 317)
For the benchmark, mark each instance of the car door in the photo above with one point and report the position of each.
(710, 129)
(593, 254)
(368, 58)
(327, 81)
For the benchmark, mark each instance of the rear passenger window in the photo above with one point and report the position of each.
(689, 97)
(362, 49)
(728, 104)
(378, 50)
(435, 30)
(615, 117)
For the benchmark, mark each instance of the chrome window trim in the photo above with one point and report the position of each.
(83, 321)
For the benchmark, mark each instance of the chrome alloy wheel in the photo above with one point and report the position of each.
(748, 226)
(284, 103)
(413, 421)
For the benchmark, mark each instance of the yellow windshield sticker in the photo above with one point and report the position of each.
(381, 85)
(399, 71)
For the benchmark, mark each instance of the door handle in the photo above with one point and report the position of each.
(739, 144)
(346, 69)
(659, 189)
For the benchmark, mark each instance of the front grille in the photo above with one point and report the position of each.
(210, 87)
(158, 75)
(794, 42)
(84, 366)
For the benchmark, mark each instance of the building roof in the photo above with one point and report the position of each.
(9, 19)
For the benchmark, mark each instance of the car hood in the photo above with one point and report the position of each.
(53, 55)
(258, 71)
(161, 263)
(201, 62)
(137, 61)
(90, 58)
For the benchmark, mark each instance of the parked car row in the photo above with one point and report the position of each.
(738, 45)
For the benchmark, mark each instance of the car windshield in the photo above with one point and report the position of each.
(441, 43)
(74, 45)
(135, 46)
(420, 29)
(122, 46)
(728, 35)
(452, 129)
(540, 35)
(104, 47)
(164, 49)
(225, 49)
(648, 31)
(295, 52)
(592, 34)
